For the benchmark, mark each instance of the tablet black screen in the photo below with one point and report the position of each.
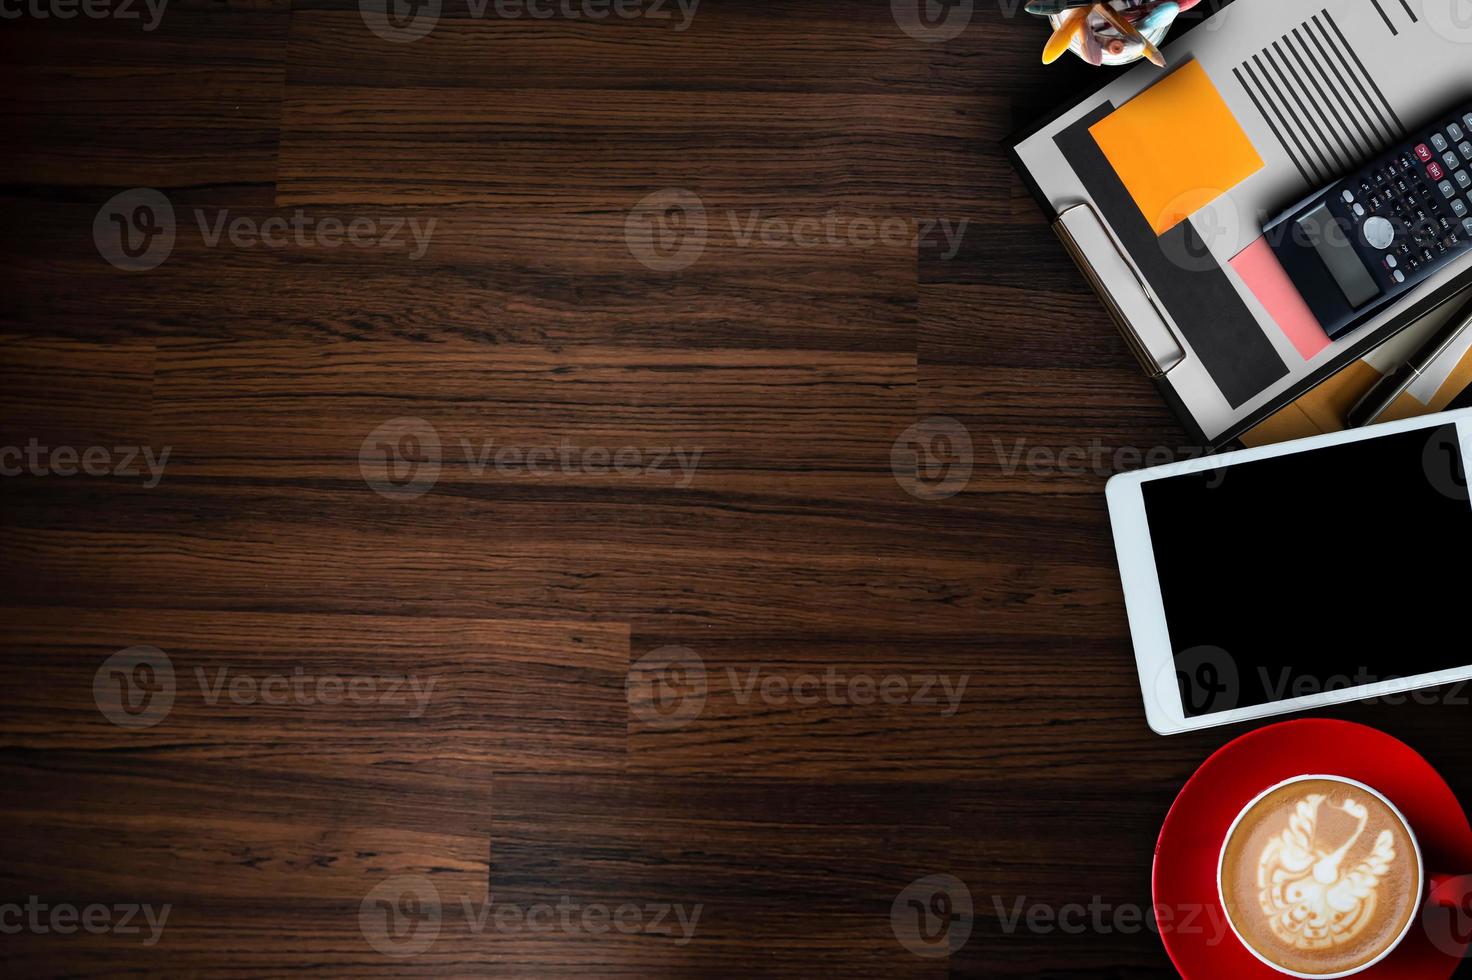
(1315, 571)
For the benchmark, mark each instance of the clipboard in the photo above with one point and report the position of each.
(1223, 374)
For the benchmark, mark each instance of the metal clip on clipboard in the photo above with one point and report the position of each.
(1134, 311)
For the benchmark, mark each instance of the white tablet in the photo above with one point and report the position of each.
(1320, 571)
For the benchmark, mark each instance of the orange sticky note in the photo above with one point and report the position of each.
(1177, 147)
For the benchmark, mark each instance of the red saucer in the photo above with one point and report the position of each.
(1191, 839)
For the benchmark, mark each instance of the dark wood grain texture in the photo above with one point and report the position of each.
(638, 465)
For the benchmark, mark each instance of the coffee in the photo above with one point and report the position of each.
(1320, 877)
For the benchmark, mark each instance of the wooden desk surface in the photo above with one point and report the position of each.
(663, 640)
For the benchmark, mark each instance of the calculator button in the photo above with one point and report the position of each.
(1459, 208)
(1379, 233)
(1465, 148)
(1400, 276)
(1434, 171)
(1468, 120)
(1451, 160)
(1390, 261)
(1464, 180)
(1423, 153)
(1439, 142)
(1446, 188)
(1455, 132)
(1349, 197)
(1467, 226)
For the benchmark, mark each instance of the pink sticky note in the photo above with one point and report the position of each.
(1264, 275)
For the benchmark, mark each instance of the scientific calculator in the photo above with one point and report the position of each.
(1361, 243)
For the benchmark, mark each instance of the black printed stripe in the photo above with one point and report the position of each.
(1366, 104)
(1337, 85)
(1385, 17)
(1366, 73)
(1349, 122)
(1352, 131)
(1410, 13)
(1341, 162)
(1300, 152)
(1312, 89)
(1315, 139)
(1292, 155)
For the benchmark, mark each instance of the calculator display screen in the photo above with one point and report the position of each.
(1332, 244)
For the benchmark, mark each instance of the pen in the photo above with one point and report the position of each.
(1379, 398)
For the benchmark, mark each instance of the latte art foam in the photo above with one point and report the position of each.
(1311, 899)
(1320, 877)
